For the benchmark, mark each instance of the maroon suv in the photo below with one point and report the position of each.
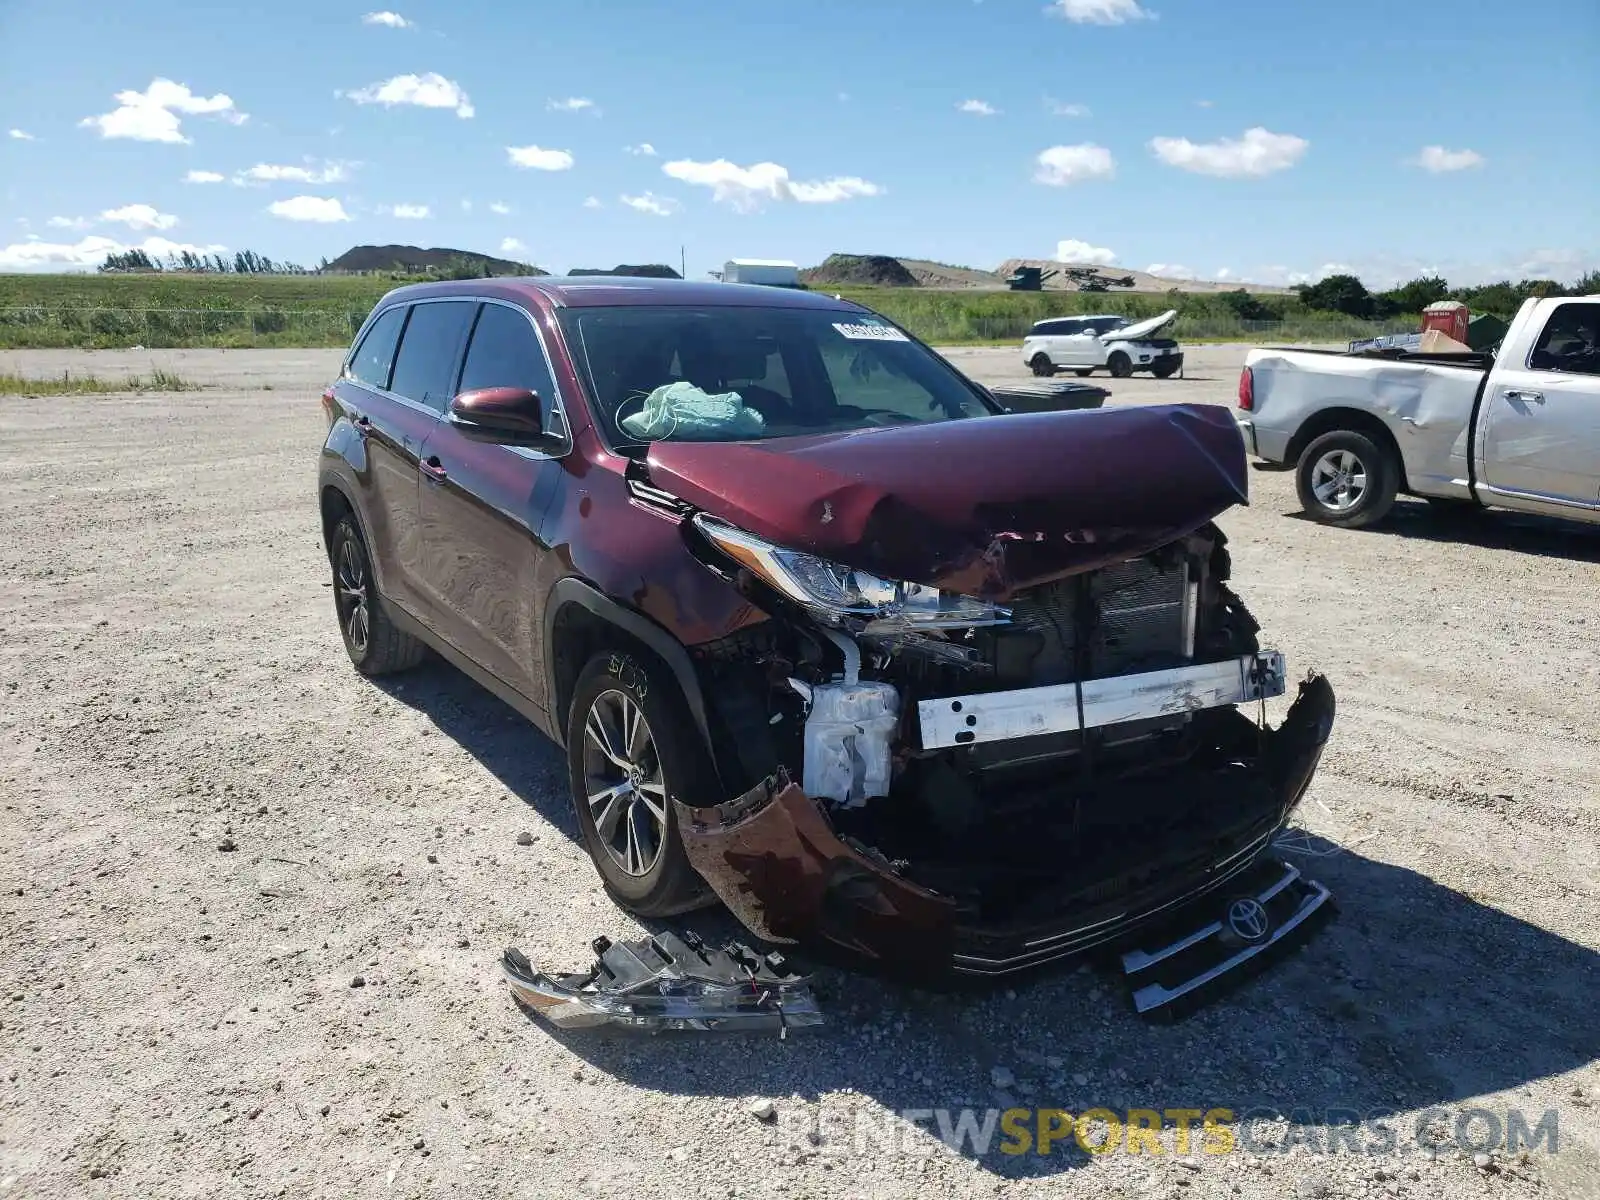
(827, 634)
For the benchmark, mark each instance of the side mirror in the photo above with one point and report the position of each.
(512, 416)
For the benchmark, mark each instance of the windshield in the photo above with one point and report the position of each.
(660, 372)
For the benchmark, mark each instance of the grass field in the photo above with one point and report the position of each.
(68, 384)
(109, 311)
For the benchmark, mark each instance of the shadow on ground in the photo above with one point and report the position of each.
(1417, 996)
(1492, 529)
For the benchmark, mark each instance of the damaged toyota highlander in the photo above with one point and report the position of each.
(826, 633)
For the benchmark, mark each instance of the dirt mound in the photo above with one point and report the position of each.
(414, 260)
(943, 275)
(1143, 281)
(875, 270)
(644, 271)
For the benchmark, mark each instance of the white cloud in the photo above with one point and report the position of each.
(978, 108)
(1259, 152)
(512, 245)
(466, 206)
(425, 91)
(153, 114)
(593, 202)
(1060, 166)
(1070, 250)
(1100, 12)
(309, 208)
(538, 159)
(643, 148)
(202, 177)
(139, 216)
(500, 209)
(330, 172)
(1437, 159)
(90, 252)
(1058, 109)
(1222, 274)
(570, 104)
(1169, 271)
(410, 212)
(19, 135)
(69, 222)
(1204, 103)
(392, 19)
(658, 206)
(744, 188)
(1317, 276)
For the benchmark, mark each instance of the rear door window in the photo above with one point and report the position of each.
(430, 349)
(375, 355)
(1570, 341)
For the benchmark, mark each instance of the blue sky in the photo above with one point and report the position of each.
(1255, 139)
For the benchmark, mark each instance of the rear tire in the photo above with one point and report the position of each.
(1120, 365)
(372, 641)
(631, 752)
(1346, 479)
(1042, 366)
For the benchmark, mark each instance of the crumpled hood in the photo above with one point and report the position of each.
(1142, 329)
(982, 506)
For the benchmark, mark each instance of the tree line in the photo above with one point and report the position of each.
(244, 262)
(1348, 295)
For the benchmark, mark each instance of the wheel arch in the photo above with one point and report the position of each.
(1355, 420)
(580, 621)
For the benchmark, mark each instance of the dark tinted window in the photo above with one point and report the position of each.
(1570, 341)
(504, 352)
(798, 371)
(370, 363)
(424, 369)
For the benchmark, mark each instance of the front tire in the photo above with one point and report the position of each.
(1084, 372)
(1165, 371)
(1120, 365)
(1042, 366)
(372, 641)
(630, 754)
(1346, 479)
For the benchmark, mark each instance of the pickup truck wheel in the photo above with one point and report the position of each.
(1345, 478)
(1042, 366)
(630, 752)
(371, 640)
(1120, 365)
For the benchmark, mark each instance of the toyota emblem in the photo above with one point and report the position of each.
(1248, 919)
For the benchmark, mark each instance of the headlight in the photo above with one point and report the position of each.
(835, 592)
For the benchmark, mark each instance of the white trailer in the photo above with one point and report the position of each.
(774, 272)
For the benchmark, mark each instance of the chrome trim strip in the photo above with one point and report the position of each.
(1153, 995)
(1138, 960)
(1070, 942)
(1029, 712)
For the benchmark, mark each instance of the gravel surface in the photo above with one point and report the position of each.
(253, 903)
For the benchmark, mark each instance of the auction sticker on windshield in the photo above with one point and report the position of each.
(871, 333)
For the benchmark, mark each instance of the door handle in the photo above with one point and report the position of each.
(433, 468)
(1524, 394)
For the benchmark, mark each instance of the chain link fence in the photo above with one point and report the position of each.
(47, 326)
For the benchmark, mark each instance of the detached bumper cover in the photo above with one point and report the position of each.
(776, 862)
(668, 982)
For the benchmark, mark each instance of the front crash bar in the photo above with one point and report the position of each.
(1027, 712)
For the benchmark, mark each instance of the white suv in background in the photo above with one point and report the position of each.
(1120, 346)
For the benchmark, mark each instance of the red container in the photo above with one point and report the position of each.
(1449, 317)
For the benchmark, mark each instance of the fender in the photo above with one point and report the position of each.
(337, 472)
(572, 590)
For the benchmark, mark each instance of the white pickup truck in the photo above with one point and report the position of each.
(1518, 429)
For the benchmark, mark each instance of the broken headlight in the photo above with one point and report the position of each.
(835, 592)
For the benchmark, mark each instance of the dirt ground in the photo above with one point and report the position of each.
(178, 1019)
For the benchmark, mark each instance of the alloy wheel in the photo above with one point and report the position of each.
(355, 617)
(623, 782)
(1339, 480)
